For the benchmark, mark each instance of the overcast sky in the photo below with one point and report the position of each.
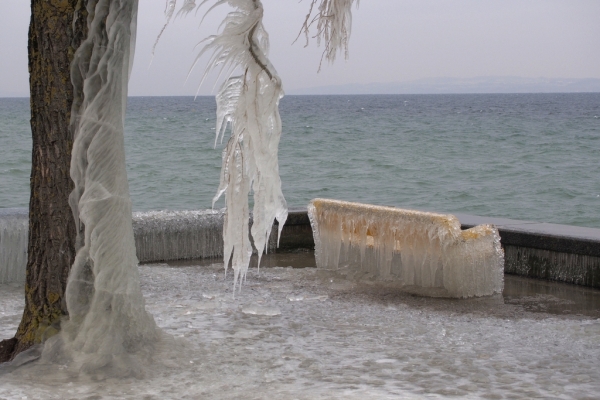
(392, 41)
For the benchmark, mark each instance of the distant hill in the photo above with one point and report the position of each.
(489, 84)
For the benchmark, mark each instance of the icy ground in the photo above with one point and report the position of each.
(305, 334)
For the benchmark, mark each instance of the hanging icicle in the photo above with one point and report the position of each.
(249, 105)
(334, 24)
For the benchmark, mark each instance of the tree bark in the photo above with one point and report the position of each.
(53, 39)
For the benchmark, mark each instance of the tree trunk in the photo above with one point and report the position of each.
(53, 39)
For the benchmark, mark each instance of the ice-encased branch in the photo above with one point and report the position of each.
(249, 104)
(334, 24)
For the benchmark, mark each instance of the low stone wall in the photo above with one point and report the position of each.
(176, 235)
(297, 233)
(536, 250)
(14, 229)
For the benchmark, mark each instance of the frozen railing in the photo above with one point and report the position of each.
(182, 235)
(176, 235)
(14, 229)
(425, 251)
(159, 236)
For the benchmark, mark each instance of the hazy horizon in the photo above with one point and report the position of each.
(438, 85)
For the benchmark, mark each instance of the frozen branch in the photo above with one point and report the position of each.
(249, 104)
(334, 24)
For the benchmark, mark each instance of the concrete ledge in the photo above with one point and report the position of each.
(552, 265)
(14, 229)
(297, 232)
(547, 251)
(543, 236)
(178, 235)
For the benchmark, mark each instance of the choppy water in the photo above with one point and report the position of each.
(522, 156)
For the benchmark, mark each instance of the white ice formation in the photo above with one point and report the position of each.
(14, 229)
(249, 104)
(159, 236)
(178, 235)
(421, 250)
(334, 24)
(108, 326)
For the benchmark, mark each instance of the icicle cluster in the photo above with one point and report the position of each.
(419, 249)
(14, 229)
(249, 104)
(334, 24)
(108, 325)
(178, 235)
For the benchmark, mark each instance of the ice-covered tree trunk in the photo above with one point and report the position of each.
(107, 322)
(53, 38)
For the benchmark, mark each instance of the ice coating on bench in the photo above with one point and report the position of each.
(424, 251)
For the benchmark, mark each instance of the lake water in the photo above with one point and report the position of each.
(521, 156)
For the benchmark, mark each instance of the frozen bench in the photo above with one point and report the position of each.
(421, 250)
